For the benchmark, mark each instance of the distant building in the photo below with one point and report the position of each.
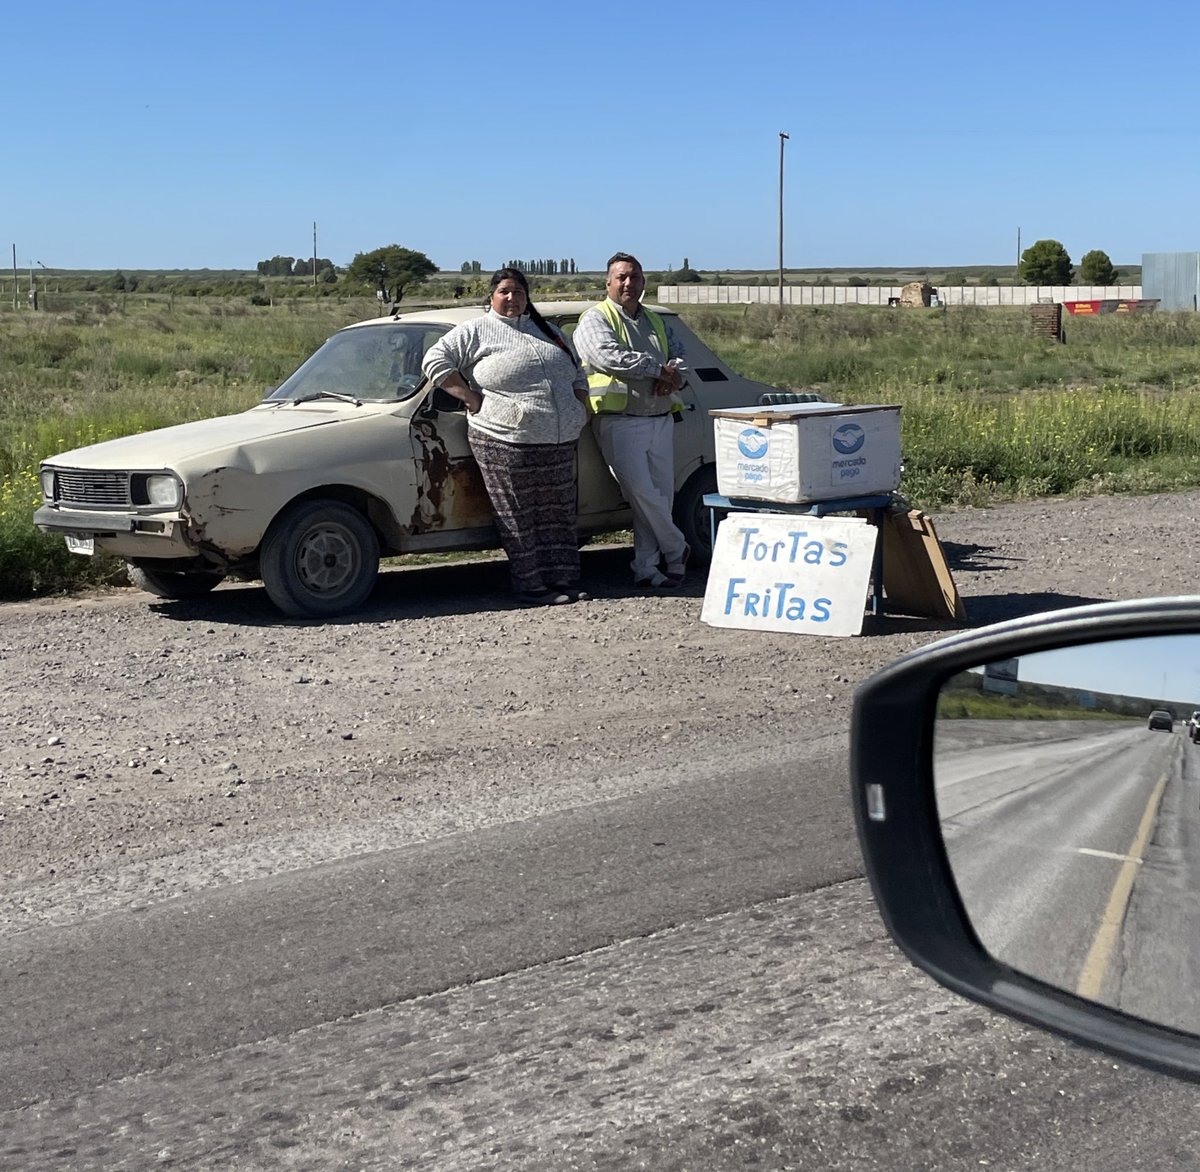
(1173, 278)
(1001, 676)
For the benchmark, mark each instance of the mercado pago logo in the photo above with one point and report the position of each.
(752, 443)
(848, 438)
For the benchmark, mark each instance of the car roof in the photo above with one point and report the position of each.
(453, 315)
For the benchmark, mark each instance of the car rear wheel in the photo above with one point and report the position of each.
(320, 558)
(173, 583)
(692, 516)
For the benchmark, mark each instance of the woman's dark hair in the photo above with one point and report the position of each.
(511, 274)
(507, 274)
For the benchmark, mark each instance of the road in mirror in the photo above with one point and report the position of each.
(1068, 788)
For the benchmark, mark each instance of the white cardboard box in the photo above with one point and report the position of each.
(799, 452)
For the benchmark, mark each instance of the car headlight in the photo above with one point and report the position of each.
(163, 490)
(48, 485)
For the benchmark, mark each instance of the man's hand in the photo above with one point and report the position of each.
(669, 380)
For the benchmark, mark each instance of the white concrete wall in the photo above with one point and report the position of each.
(879, 294)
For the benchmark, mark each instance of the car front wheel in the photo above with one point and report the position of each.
(320, 558)
(173, 583)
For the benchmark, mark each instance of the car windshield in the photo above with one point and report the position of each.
(380, 363)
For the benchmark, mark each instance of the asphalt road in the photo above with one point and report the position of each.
(1039, 833)
(245, 962)
(688, 979)
(229, 946)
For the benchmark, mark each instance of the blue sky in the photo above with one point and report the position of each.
(160, 135)
(1165, 667)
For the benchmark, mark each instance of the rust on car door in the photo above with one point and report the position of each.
(450, 491)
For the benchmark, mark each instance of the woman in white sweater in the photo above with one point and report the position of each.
(525, 396)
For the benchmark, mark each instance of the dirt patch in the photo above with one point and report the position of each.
(155, 747)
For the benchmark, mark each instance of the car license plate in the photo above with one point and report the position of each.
(83, 545)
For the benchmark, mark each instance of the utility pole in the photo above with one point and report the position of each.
(314, 254)
(782, 139)
(1017, 277)
(14, 276)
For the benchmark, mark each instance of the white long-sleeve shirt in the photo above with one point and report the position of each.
(527, 382)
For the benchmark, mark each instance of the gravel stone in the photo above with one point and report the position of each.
(441, 708)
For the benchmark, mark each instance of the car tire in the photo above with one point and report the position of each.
(319, 558)
(173, 583)
(691, 515)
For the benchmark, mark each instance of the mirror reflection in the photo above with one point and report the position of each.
(1068, 789)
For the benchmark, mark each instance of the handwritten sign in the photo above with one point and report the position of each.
(788, 572)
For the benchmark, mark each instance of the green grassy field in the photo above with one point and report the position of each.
(989, 412)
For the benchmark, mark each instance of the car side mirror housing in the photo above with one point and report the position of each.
(1027, 799)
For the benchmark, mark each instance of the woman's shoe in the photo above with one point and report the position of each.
(545, 597)
(574, 593)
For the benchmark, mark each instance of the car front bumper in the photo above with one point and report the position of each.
(125, 535)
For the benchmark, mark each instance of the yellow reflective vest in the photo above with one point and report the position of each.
(607, 394)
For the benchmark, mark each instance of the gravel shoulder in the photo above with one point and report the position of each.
(157, 747)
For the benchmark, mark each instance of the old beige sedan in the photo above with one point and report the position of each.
(353, 458)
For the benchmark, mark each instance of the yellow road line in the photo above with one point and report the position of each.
(1091, 977)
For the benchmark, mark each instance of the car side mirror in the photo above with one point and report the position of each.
(1028, 805)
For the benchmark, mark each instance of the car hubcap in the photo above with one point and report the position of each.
(327, 560)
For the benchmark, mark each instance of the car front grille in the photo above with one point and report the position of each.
(86, 486)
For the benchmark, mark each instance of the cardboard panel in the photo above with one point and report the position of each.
(790, 572)
(916, 578)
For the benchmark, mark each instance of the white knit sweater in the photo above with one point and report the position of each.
(527, 382)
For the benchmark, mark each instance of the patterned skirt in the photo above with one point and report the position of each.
(533, 493)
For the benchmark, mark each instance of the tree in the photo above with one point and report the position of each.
(1046, 262)
(1097, 269)
(390, 270)
(277, 266)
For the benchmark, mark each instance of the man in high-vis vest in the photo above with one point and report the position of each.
(633, 385)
